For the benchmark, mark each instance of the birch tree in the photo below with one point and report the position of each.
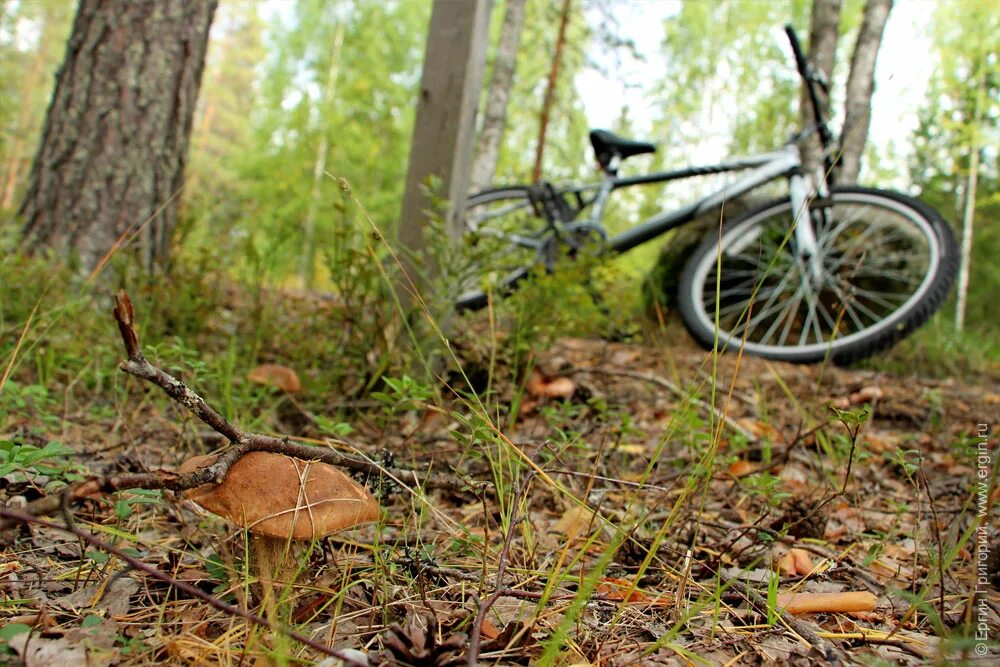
(860, 88)
(497, 97)
(824, 31)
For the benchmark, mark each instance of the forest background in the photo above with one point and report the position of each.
(709, 464)
(293, 86)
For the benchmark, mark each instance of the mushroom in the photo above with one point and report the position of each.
(279, 498)
(276, 375)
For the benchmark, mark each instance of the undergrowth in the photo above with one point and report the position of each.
(628, 517)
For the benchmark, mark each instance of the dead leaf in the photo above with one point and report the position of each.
(741, 468)
(276, 375)
(620, 589)
(489, 631)
(759, 429)
(866, 395)
(810, 603)
(113, 599)
(786, 565)
(540, 385)
(574, 521)
(796, 562)
(636, 448)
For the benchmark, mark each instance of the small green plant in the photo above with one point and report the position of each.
(128, 500)
(20, 399)
(403, 394)
(773, 580)
(766, 486)
(46, 464)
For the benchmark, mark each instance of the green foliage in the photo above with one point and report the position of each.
(280, 116)
(962, 109)
(46, 465)
(566, 148)
(32, 42)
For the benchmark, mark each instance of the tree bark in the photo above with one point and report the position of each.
(110, 164)
(969, 212)
(495, 116)
(823, 34)
(860, 87)
(550, 92)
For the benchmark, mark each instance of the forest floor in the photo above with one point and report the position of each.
(613, 522)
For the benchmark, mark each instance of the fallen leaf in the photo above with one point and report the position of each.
(574, 521)
(741, 468)
(866, 395)
(803, 561)
(113, 599)
(620, 589)
(276, 375)
(759, 429)
(786, 565)
(541, 386)
(810, 603)
(636, 448)
(489, 631)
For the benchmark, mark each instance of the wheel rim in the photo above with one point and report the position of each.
(877, 256)
(503, 240)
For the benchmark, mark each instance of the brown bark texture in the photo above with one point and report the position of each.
(550, 92)
(497, 97)
(110, 164)
(860, 87)
(823, 34)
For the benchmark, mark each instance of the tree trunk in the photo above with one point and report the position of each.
(110, 164)
(495, 116)
(550, 92)
(969, 214)
(823, 35)
(860, 86)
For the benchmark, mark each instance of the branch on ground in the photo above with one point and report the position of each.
(240, 443)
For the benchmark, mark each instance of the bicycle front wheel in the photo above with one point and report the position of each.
(888, 262)
(504, 239)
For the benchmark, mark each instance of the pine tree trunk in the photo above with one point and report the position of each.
(860, 87)
(550, 92)
(823, 34)
(495, 116)
(110, 164)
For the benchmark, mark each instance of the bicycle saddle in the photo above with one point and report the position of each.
(607, 145)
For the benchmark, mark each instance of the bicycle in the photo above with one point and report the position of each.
(862, 270)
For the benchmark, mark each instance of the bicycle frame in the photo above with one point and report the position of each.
(765, 167)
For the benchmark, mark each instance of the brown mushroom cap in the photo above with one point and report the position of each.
(280, 496)
(276, 375)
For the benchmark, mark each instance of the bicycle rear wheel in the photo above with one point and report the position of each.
(505, 239)
(888, 262)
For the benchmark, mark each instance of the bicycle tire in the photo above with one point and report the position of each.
(498, 218)
(888, 261)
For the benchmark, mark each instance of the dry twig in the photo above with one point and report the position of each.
(241, 443)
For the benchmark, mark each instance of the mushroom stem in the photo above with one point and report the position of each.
(270, 560)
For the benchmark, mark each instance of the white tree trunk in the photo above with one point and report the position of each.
(970, 208)
(495, 116)
(860, 86)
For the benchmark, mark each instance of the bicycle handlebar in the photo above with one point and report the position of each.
(812, 79)
(800, 56)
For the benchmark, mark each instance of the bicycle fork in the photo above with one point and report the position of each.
(801, 192)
